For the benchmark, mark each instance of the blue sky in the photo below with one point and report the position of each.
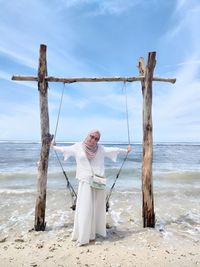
(93, 38)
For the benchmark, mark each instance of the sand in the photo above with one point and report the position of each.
(125, 245)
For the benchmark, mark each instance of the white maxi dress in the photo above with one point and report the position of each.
(90, 214)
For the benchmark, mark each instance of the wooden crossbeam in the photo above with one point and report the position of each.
(90, 79)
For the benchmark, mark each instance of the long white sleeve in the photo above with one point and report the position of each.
(83, 170)
(112, 152)
(68, 151)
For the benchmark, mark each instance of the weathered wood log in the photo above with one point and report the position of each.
(147, 186)
(40, 223)
(141, 67)
(24, 78)
(94, 79)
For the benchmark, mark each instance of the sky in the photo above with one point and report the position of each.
(100, 38)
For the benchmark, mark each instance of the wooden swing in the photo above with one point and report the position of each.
(146, 78)
(71, 189)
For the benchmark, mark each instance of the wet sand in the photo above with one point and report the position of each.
(126, 245)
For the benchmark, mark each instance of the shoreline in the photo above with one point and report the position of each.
(104, 142)
(125, 245)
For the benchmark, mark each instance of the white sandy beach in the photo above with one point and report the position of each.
(125, 245)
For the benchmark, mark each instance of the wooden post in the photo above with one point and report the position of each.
(147, 187)
(40, 223)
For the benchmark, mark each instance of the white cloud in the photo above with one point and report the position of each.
(76, 129)
(115, 7)
(73, 51)
(8, 77)
(185, 5)
(185, 19)
(4, 75)
(176, 113)
(19, 56)
(79, 112)
(110, 7)
(20, 123)
(189, 62)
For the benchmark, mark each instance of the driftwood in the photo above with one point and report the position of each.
(46, 139)
(94, 79)
(147, 187)
(141, 67)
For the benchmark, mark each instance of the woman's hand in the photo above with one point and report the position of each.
(53, 143)
(129, 148)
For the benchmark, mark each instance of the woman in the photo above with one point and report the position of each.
(90, 215)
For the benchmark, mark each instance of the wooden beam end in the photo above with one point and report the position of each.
(173, 80)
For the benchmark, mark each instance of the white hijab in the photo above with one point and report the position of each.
(89, 149)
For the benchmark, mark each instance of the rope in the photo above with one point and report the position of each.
(126, 156)
(127, 115)
(58, 117)
(69, 186)
(113, 185)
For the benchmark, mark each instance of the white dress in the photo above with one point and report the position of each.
(90, 214)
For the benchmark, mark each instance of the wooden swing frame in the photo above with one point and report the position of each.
(146, 78)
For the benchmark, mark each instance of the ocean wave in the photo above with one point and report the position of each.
(182, 176)
(17, 191)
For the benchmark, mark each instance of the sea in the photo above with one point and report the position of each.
(176, 188)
